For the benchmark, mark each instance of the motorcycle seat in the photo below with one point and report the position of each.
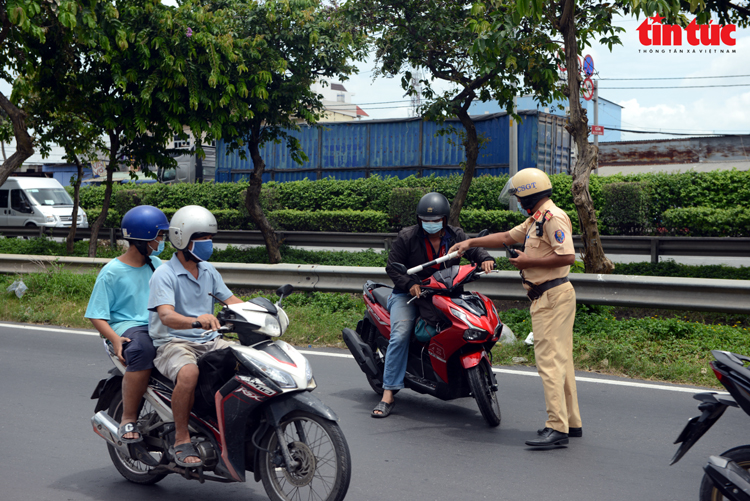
(381, 295)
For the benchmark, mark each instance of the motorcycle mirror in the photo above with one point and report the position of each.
(400, 268)
(284, 290)
(483, 233)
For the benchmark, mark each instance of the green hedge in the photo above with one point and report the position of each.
(368, 221)
(474, 221)
(664, 192)
(707, 222)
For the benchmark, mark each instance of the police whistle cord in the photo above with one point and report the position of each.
(417, 269)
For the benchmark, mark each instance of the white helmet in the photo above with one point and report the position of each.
(192, 221)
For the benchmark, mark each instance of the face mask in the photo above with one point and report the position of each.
(158, 250)
(202, 249)
(432, 228)
(524, 202)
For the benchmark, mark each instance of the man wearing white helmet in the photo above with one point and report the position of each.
(179, 299)
(545, 264)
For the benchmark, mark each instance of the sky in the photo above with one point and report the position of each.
(710, 109)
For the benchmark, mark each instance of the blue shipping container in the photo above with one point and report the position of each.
(405, 147)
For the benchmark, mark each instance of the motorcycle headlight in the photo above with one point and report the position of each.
(475, 335)
(271, 326)
(278, 376)
(464, 318)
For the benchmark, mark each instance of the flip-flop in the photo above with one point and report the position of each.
(129, 428)
(384, 408)
(183, 451)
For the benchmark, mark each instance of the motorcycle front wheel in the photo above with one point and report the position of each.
(741, 456)
(320, 449)
(134, 471)
(480, 383)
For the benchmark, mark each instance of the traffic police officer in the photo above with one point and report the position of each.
(544, 264)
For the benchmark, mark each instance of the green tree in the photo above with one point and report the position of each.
(30, 30)
(484, 51)
(156, 71)
(301, 42)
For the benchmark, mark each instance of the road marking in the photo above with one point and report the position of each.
(579, 379)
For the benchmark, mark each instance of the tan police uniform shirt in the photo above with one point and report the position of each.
(557, 238)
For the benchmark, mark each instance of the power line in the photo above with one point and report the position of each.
(736, 133)
(684, 87)
(676, 78)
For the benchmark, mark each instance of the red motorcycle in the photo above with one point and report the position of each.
(456, 362)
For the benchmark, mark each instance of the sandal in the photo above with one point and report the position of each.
(183, 451)
(129, 428)
(384, 408)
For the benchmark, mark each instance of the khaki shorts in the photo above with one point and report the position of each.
(177, 353)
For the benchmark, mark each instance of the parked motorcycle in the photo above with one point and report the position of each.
(457, 361)
(253, 412)
(726, 475)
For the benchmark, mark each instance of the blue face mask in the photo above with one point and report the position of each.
(432, 228)
(158, 250)
(202, 249)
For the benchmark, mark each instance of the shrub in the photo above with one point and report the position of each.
(367, 221)
(706, 222)
(113, 220)
(402, 206)
(474, 221)
(625, 210)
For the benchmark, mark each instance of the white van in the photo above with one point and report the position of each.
(37, 201)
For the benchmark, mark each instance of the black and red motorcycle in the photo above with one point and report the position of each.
(456, 362)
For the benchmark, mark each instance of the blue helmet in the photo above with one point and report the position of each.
(143, 223)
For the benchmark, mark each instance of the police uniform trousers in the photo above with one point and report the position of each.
(552, 317)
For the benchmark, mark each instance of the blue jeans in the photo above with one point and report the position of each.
(403, 317)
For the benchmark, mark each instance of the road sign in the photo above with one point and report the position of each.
(588, 65)
(561, 66)
(597, 130)
(587, 89)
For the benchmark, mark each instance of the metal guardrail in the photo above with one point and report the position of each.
(649, 246)
(732, 296)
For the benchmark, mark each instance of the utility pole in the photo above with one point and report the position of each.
(596, 122)
(513, 151)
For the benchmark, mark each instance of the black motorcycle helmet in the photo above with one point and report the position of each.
(433, 206)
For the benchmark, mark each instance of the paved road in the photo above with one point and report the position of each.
(427, 450)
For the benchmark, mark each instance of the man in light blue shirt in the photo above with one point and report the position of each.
(179, 300)
(118, 308)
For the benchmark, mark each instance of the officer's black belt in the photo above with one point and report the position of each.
(536, 291)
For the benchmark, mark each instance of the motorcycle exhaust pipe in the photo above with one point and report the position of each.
(361, 353)
(729, 478)
(107, 428)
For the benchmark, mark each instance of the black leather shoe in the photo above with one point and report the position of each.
(572, 432)
(548, 438)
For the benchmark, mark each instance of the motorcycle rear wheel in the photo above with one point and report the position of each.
(741, 456)
(480, 383)
(134, 471)
(321, 449)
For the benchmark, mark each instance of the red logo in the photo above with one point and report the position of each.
(653, 33)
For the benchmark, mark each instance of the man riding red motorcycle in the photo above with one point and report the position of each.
(429, 239)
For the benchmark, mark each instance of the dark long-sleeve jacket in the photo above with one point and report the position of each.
(409, 250)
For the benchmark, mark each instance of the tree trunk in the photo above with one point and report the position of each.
(76, 200)
(252, 200)
(114, 147)
(471, 145)
(24, 143)
(594, 259)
